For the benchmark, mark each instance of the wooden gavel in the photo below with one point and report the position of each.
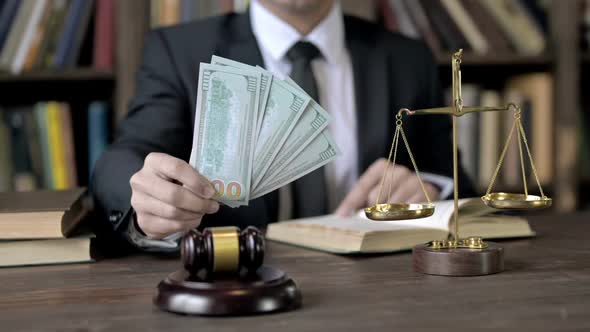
(222, 250)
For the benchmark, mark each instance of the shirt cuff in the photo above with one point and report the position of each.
(171, 243)
(444, 183)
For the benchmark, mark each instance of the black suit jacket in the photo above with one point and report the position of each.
(390, 72)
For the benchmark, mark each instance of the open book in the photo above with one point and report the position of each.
(358, 234)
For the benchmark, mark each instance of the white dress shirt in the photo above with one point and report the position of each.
(334, 77)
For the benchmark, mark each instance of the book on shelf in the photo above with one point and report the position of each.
(44, 227)
(49, 34)
(483, 27)
(482, 136)
(357, 234)
(98, 132)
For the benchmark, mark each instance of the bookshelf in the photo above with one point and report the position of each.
(564, 60)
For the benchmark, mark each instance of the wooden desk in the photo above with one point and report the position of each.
(546, 287)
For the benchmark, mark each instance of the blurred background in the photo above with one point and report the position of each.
(67, 73)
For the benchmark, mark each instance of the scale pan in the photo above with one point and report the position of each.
(516, 201)
(399, 211)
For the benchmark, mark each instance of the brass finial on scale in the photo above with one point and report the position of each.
(456, 256)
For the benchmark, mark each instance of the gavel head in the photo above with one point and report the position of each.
(222, 250)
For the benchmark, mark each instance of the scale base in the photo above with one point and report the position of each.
(458, 262)
(268, 290)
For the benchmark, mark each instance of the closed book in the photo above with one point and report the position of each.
(499, 42)
(82, 27)
(98, 132)
(46, 251)
(518, 25)
(56, 144)
(489, 137)
(23, 178)
(32, 132)
(15, 35)
(104, 35)
(7, 15)
(449, 33)
(68, 144)
(5, 156)
(38, 37)
(169, 12)
(357, 234)
(479, 44)
(74, 29)
(421, 21)
(27, 38)
(468, 132)
(538, 89)
(44, 214)
(54, 28)
(406, 25)
(42, 120)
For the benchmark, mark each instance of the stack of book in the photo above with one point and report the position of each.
(482, 136)
(49, 34)
(482, 26)
(44, 227)
(38, 145)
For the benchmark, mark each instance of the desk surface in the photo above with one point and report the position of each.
(546, 286)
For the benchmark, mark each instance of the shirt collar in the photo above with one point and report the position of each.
(276, 36)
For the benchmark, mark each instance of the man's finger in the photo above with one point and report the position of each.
(404, 189)
(148, 204)
(357, 197)
(172, 193)
(172, 168)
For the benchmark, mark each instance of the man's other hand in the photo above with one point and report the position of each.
(170, 196)
(405, 187)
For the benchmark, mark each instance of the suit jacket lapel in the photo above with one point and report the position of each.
(370, 70)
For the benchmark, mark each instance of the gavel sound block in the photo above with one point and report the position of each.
(224, 275)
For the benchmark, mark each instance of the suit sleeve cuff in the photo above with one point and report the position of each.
(134, 234)
(444, 184)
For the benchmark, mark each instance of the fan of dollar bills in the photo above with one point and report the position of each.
(255, 133)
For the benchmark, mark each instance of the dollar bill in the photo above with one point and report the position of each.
(265, 83)
(313, 121)
(320, 151)
(284, 108)
(225, 125)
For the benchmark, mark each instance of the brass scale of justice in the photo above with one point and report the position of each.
(456, 256)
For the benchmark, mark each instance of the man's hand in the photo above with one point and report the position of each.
(170, 196)
(405, 187)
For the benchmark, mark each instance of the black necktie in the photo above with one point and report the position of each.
(309, 192)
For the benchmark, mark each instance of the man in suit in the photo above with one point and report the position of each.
(361, 74)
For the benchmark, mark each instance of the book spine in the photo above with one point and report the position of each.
(56, 146)
(98, 132)
(54, 31)
(40, 110)
(406, 25)
(103, 35)
(169, 12)
(28, 36)
(68, 34)
(68, 143)
(23, 178)
(7, 15)
(82, 22)
(469, 29)
(36, 158)
(16, 32)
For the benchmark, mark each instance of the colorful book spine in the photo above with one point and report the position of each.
(40, 111)
(56, 143)
(104, 34)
